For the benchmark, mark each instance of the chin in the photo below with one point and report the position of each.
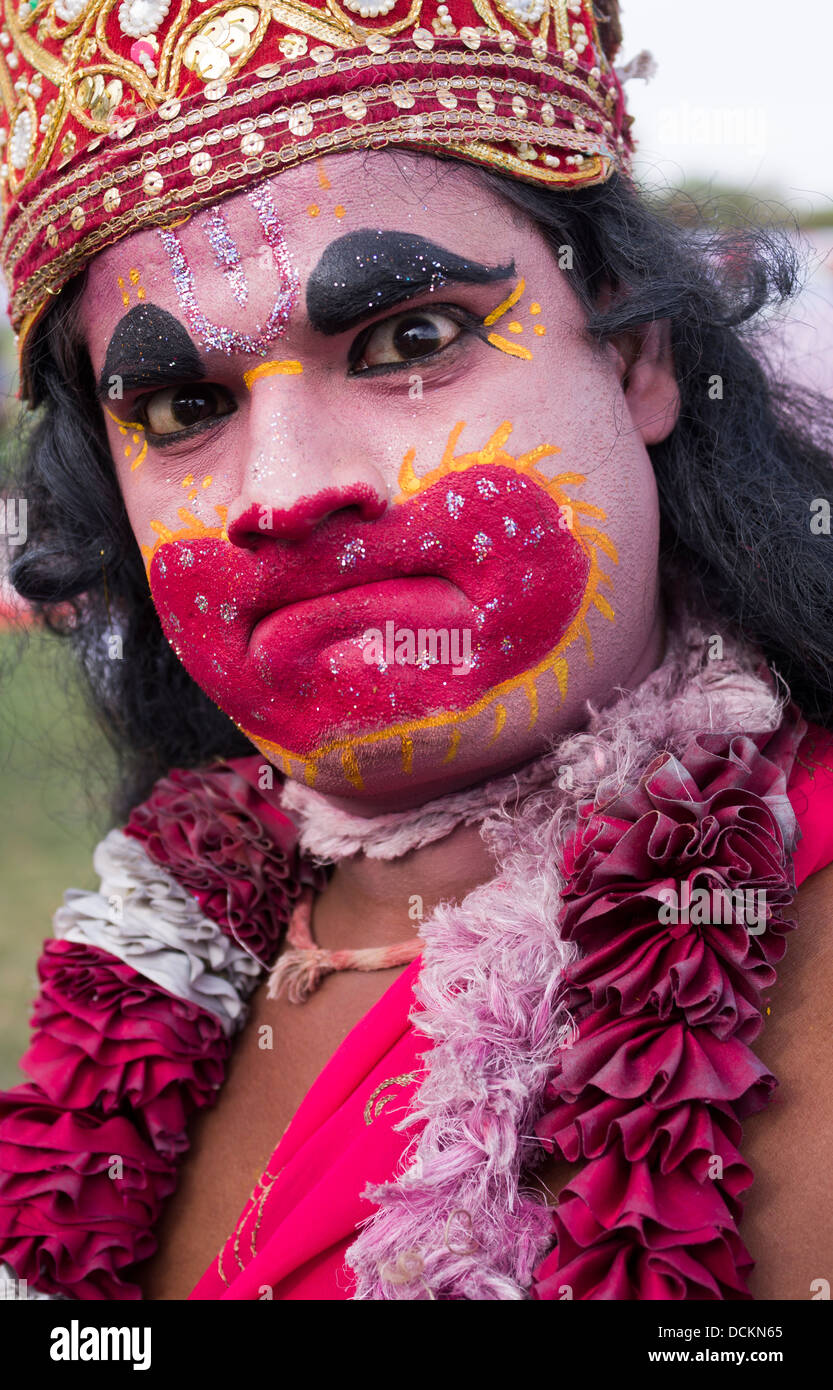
(388, 769)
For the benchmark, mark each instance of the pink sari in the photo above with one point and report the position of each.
(291, 1239)
(303, 1213)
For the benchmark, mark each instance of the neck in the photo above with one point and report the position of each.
(379, 902)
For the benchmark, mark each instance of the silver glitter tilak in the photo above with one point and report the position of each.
(218, 337)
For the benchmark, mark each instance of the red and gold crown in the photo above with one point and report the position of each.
(124, 113)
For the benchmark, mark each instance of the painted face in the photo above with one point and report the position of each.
(396, 517)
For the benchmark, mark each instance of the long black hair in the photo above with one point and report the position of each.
(736, 477)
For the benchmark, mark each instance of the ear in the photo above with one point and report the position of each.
(649, 383)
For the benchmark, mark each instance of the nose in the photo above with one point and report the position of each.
(301, 465)
(296, 522)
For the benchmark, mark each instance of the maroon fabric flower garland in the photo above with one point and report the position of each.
(89, 1147)
(651, 1093)
(228, 843)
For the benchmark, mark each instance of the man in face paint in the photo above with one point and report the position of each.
(358, 402)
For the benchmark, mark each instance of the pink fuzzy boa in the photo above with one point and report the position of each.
(494, 1001)
(327, 833)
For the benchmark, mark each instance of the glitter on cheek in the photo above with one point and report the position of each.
(481, 545)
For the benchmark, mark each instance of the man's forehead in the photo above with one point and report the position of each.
(339, 213)
(317, 202)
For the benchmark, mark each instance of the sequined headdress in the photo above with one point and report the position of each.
(120, 114)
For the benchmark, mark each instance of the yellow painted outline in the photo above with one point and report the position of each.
(192, 529)
(287, 367)
(125, 426)
(497, 340)
(588, 536)
(505, 304)
(512, 349)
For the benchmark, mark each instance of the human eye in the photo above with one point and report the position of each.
(407, 337)
(180, 411)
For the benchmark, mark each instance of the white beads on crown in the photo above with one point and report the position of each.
(20, 144)
(68, 10)
(527, 11)
(140, 17)
(370, 9)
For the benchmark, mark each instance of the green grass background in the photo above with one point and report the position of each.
(55, 774)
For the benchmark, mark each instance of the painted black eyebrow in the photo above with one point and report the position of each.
(149, 346)
(368, 270)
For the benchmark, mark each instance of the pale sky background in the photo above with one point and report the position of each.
(739, 94)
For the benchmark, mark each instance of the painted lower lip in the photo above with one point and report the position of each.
(414, 601)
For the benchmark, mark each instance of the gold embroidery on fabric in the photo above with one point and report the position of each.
(504, 86)
(261, 1204)
(215, 44)
(237, 1232)
(372, 1112)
